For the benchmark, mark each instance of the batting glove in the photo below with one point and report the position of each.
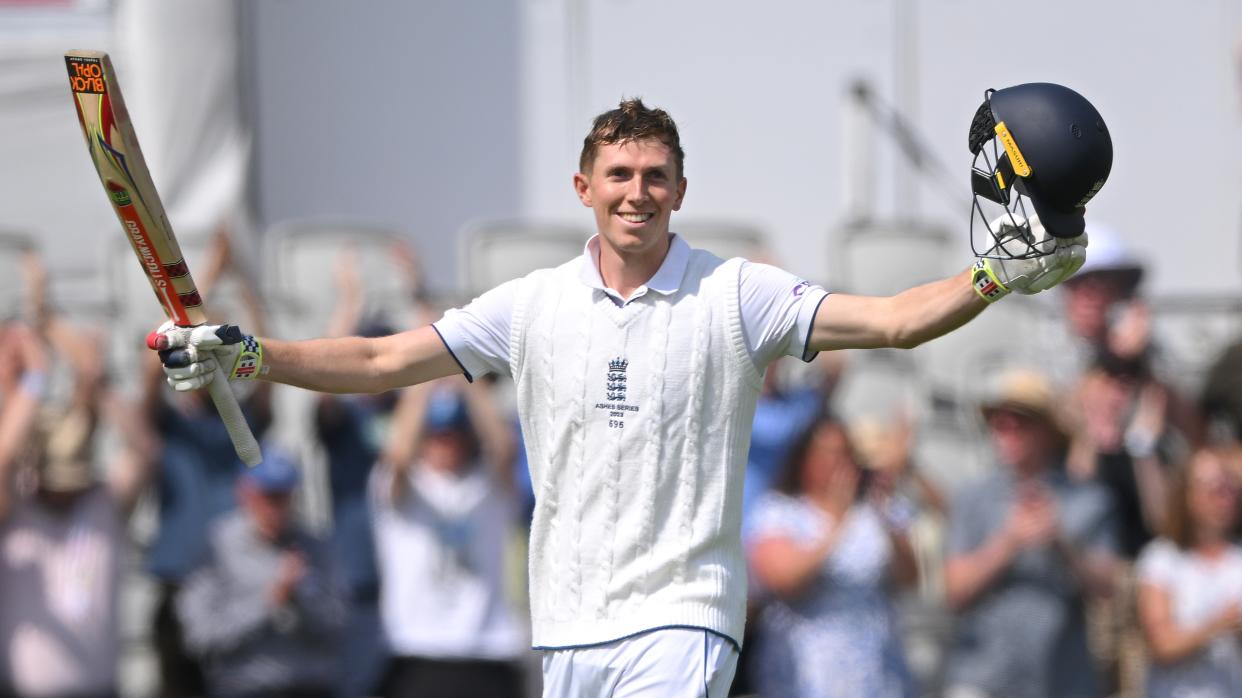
(192, 356)
(994, 278)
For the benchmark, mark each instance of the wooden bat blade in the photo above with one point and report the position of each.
(118, 160)
(123, 171)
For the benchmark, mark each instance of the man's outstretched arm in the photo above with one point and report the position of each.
(334, 365)
(905, 320)
(928, 311)
(360, 364)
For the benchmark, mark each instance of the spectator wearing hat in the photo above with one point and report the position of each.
(1108, 281)
(62, 531)
(446, 510)
(1026, 548)
(1109, 325)
(1190, 585)
(264, 613)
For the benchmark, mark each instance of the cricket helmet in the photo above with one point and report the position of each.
(1040, 149)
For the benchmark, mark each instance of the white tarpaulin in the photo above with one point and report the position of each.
(178, 65)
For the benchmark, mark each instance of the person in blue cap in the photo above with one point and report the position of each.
(264, 612)
(446, 511)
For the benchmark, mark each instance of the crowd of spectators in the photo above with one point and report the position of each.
(1096, 556)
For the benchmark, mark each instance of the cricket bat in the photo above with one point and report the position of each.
(123, 171)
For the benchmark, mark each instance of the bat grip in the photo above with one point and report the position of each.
(231, 414)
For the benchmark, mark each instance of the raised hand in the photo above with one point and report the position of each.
(1057, 260)
(191, 355)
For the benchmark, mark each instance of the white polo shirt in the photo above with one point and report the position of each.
(637, 415)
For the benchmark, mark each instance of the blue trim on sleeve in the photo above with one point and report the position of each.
(706, 690)
(806, 344)
(464, 372)
(736, 645)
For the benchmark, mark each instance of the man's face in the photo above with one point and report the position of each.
(1088, 299)
(1021, 440)
(828, 453)
(269, 511)
(633, 187)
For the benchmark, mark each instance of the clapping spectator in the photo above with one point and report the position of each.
(1190, 586)
(1026, 548)
(825, 548)
(264, 612)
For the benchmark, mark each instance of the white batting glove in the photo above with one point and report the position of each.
(994, 279)
(192, 356)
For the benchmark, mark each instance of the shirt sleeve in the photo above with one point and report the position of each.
(1157, 564)
(478, 334)
(777, 311)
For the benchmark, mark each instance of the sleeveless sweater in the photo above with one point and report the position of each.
(637, 422)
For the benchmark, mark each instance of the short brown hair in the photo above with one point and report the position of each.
(631, 121)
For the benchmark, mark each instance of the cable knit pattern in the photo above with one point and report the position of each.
(690, 456)
(653, 448)
(636, 421)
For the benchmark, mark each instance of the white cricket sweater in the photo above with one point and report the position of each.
(637, 422)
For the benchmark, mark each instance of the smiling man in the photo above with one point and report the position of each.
(637, 367)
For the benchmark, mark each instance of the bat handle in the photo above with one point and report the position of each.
(231, 414)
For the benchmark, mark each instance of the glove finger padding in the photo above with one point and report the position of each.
(1069, 258)
(192, 377)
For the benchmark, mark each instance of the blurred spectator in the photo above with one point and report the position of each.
(1110, 322)
(197, 473)
(445, 511)
(1124, 417)
(826, 548)
(1026, 548)
(352, 430)
(1095, 297)
(1190, 587)
(1221, 398)
(62, 533)
(264, 613)
(885, 448)
(782, 413)
(1123, 420)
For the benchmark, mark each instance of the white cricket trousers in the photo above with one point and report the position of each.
(665, 663)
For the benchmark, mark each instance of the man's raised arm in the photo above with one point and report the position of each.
(903, 321)
(335, 365)
(933, 309)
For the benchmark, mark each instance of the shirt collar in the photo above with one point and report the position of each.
(666, 280)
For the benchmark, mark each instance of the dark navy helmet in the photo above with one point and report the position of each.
(1040, 149)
